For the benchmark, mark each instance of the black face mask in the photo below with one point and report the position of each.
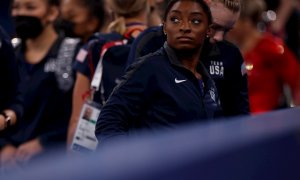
(28, 27)
(67, 27)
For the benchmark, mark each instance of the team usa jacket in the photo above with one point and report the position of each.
(223, 61)
(158, 92)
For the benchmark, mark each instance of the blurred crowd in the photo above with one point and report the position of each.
(79, 73)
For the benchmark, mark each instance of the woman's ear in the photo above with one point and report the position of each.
(164, 28)
(209, 33)
(53, 13)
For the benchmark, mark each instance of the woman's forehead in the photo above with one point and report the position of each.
(191, 5)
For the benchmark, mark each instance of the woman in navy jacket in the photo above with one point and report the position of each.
(9, 78)
(46, 80)
(169, 87)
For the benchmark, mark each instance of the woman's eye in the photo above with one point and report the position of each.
(196, 21)
(174, 19)
(30, 7)
(15, 6)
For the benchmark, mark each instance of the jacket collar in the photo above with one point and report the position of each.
(172, 55)
(174, 60)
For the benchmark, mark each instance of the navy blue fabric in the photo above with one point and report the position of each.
(114, 62)
(6, 19)
(223, 61)
(157, 92)
(94, 46)
(147, 42)
(47, 107)
(9, 78)
(232, 85)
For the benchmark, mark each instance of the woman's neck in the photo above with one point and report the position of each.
(44, 41)
(190, 61)
(38, 48)
(138, 22)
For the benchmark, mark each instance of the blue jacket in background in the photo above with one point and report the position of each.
(114, 62)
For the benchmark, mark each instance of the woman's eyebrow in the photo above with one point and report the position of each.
(194, 12)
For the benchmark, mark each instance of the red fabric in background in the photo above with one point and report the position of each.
(270, 64)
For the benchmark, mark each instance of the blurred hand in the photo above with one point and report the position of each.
(2, 122)
(28, 150)
(7, 156)
(11, 114)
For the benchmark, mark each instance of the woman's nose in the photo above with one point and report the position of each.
(185, 26)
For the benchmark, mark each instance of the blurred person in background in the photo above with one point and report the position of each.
(225, 14)
(157, 8)
(44, 61)
(269, 63)
(83, 18)
(283, 21)
(131, 18)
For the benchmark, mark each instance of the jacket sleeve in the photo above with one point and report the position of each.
(10, 96)
(234, 87)
(86, 58)
(125, 104)
(243, 99)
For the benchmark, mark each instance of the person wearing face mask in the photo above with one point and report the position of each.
(83, 18)
(45, 65)
(223, 60)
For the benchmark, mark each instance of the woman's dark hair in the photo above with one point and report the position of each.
(96, 9)
(54, 2)
(50, 2)
(203, 4)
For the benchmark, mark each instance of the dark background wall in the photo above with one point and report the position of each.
(5, 18)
